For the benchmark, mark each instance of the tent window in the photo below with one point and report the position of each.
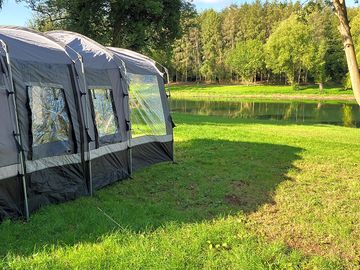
(50, 121)
(104, 113)
(147, 115)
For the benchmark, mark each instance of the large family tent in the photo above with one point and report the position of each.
(76, 116)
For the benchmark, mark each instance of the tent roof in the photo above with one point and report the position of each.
(28, 45)
(94, 54)
(136, 62)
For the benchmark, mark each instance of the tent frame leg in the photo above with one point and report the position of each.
(85, 113)
(169, 104)
(123, 74)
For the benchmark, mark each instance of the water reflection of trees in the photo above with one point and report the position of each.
(320, 112)
(347, 116)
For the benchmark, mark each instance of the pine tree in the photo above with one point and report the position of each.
(212, 66)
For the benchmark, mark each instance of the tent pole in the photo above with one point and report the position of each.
(169, 97)
(88, 154)
(169, 102)
(85, 112)
(168, 86)
(128, 121)
(17, 134)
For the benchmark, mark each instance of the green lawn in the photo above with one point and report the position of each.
(245, 194)
(259, 91)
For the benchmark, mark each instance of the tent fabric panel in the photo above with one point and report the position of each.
(151, 153)
(2, 82)
(98, 77)
(11, 198)
(26, 45)
(50, 162)
(110, 168)
(55, 185)
(8, 148)
(136, 63)
(87, 48)
(108, 149)
(150, 139)
(9, 171)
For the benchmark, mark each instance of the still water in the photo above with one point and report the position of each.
(295, 111)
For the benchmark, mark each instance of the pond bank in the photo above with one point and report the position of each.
(313, 97)
(260, 92)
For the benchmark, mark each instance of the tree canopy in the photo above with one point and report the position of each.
(298, 42)
(136, 24)
(289, 48)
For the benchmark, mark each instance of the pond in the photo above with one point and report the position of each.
(344, 114)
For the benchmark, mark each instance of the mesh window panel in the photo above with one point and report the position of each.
(147, 115)
(50, 122)
(104, 112)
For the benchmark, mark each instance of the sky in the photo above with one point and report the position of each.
(19, 14)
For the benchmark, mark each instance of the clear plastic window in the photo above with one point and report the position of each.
(104, 111)
(50, 122)
(147, 115)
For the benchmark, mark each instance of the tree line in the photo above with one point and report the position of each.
(273, 42)
(263, 41)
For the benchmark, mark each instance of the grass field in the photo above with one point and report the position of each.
(260, 91)
(245, 194)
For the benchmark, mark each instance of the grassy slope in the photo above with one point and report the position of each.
(274, 92)
(244, 195)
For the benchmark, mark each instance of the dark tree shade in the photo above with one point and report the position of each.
(138, 23)
(134, 24)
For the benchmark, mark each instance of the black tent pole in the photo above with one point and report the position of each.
(169, 98)
(126, 94)
(17, 134)
(85, 95)
(129, 127)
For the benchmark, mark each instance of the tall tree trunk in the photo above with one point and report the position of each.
(341, 12)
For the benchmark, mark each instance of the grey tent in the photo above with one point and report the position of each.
(76, 116)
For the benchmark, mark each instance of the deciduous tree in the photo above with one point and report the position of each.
(247, 59)
(287, 49)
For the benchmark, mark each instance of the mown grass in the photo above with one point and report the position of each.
(259, 91)
(244, 194)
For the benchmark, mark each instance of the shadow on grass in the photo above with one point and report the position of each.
(212, 178)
